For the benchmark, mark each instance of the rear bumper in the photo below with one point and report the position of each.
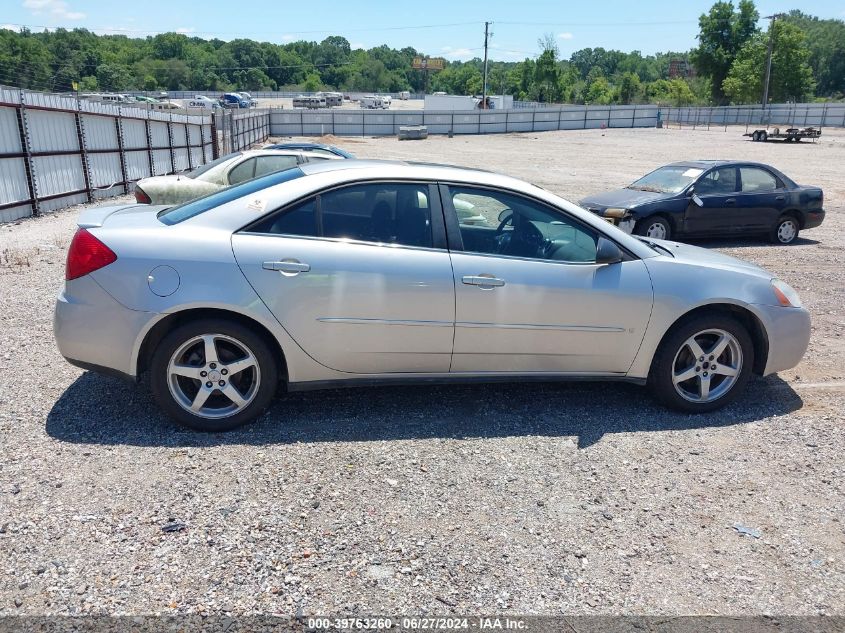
(813, 219)
(93, 331)
(788, 333)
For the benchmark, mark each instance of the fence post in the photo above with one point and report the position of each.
(188, 144)
(170, 142)
(118, 127)
(23, 130)
(149, 144)
(83, 152)
(585, 116)
(559, 117)
(633, 116)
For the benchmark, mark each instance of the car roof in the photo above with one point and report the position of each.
(416, 170)
(707, 164)
(272, 152)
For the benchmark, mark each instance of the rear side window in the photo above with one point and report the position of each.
(756, 180)
(242, 172)
(382, 213)
(193, 208)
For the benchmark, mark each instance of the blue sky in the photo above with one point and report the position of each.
(452, 29)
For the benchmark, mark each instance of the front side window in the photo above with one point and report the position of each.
(717, 181)
(755, 180)
(497, 223)
(382, 213)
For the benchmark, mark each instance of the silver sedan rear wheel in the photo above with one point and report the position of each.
(215, 374)
(707, 365)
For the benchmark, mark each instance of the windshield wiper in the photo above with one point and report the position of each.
(656, 246)
(645, 188)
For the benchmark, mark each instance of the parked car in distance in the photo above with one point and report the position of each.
(359, 272)
(225, 171)
(166, 105)
(233, 100)
(712, 198)
(145, 99)
(317, 148)
(251, 103)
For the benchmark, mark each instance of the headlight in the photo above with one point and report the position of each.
(785, 294)
(612, 212)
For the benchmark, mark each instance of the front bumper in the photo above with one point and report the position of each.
(626, 224)
(94, 331)
(788, 333)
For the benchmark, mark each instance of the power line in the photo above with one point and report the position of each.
(119, 31)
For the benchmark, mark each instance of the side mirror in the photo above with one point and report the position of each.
(505, 214)
(697, 200)
(607, 252)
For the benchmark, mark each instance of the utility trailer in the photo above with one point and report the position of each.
(790, 135)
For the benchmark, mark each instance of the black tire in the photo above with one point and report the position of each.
(264, 378)
(660, 378)
(781, 233)
(647, 224)
(755, 136)
(764, 136)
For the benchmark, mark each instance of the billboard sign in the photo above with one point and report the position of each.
(428, 63)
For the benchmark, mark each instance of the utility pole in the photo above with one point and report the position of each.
(772, 17)
(484, 83)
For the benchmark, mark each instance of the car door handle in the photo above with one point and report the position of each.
(290, 266)
(730, 201)
(780, 198)
(487, 281)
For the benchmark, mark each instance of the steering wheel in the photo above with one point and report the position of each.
(505, 221)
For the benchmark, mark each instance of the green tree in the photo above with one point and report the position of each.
(723, 33)
(791, 77)
(629, 87)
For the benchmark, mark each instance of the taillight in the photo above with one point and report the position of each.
(141, 196)
(86, 254)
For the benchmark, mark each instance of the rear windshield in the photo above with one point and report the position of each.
(193, 208)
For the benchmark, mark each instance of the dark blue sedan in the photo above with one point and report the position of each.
(709, 198)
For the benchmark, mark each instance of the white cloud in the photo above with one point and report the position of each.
(185, 30)
(10, 27)
(288, 38)
(458, 53)
(565, 36)
(57, 9)
(356, 45)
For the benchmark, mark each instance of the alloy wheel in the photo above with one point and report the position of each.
(707, 365)
(213, 376)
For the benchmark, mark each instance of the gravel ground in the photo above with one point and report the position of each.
(531, 499)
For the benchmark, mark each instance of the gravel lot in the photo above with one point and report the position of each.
(539, 498)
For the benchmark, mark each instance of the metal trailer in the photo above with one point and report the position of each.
(790, 135)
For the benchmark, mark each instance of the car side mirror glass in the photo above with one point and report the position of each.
(697, 200)
(607, 252)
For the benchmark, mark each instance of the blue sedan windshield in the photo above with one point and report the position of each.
(193, 208)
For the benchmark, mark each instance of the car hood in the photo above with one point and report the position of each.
(622, 198)
(697, 256)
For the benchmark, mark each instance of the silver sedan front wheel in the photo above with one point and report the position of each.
(707, 365)
(213, 376)
(703, 362)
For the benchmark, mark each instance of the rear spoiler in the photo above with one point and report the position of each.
(96, 217)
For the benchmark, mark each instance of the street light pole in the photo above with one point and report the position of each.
(772, 17)
(484, 83)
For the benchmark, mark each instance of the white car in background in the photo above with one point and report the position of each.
(227, 170)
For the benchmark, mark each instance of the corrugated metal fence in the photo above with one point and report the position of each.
(790, 114)
(388, 122)
(57, 151)
(241, 129)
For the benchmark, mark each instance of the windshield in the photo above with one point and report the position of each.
(199, 171)
(193, 208)
(670, 179)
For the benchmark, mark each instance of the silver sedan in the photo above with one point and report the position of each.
(363, 272)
